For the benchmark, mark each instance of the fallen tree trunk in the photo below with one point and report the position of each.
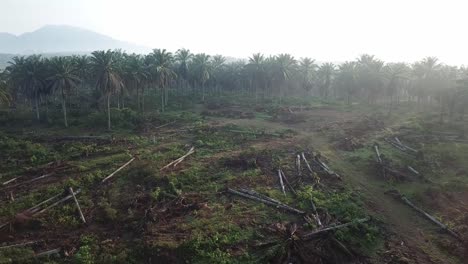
(34, 208)
(405, 146)
(288, 183)
(298, 165)
(431, 218)
(413, 170)
(179, 160)
(310, 235)
(268, 202)
(68, 197)
(281, 181)
(29, 181)
(307, 163)
(377, 152)
(21, 244)
(48, 252)
(77, 204)
(11, 180)
(119, 169)
(326, 168)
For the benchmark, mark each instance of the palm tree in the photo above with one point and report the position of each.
(183, 57)
(202, 70)
(135, 75)
(426, 74)
(285, 65)
(307, 69)
(325, 74)
(108, 80)
(346, 80)
(218, 66)
(4, 95)
(256, 68)
(162, 68)
(370, 76)
(27, 74)
(64, 77)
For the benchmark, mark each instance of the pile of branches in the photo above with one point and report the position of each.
(290, 242)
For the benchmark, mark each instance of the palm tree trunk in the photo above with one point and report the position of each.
(36, 102)
(138, 99)
(64, 109)
(162, 99)
(203, 92)
(108, 113)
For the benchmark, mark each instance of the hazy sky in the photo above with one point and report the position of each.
(327, 30)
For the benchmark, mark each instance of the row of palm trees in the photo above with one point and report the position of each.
(118, 77)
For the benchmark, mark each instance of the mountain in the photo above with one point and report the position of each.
(63, 39)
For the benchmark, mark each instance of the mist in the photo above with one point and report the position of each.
(337, 31)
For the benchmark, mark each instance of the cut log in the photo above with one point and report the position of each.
(29, 181)
(48, 252)
(307, 163)
(288, 183)
(68, 197)
(281, 181)
(77, 204)
(298, 165)
(179, 160)
(405, 146)
(267, 202)
(431, 218)
(413, 170)
(377, 152)
(314, 233)
(326, 168)
(261, 196)
(35, 208)
(21, 244)
(119, 169)
(11, 180)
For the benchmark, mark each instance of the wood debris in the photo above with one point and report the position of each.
(174, 163)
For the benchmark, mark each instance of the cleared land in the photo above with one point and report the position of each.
(149, 213)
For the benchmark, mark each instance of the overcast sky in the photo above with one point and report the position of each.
(326, 30)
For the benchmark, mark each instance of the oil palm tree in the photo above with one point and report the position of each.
(64, 77)
(4, 95)
(370, 76)
(325, 75)
(183, 57)
(28, 75)
(218, 67)
(162, 68)
(202, 70)
(307, 68)
(256, 69)
(108, 81)
(285, 65)
(135, 75)
(346, 80)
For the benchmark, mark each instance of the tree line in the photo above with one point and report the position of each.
(115, 78)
